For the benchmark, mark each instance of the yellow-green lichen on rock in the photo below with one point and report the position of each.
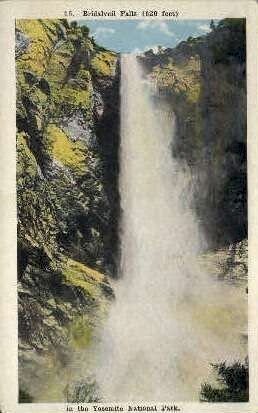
(26, 162)
(81, 332)
(72, 97)
(104, 63)
(91, 282)
(68, 93)
(36, 223)
(65, 208)
(42, 35)
(80, 275)
(64, 150)
(59, 62)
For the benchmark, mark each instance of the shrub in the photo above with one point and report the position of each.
(233, 384)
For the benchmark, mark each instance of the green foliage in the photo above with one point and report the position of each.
(74, 24)
(212, 25)
(183, 79)
(233, 384)
(205, 81)
(228, 41)
(85, 31)
(98, 47)
(84, 391)
(25, 397)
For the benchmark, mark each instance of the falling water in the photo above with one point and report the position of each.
(169, 320)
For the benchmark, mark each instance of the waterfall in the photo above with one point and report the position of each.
(169, 320)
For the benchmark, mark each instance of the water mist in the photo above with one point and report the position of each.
(169, 320)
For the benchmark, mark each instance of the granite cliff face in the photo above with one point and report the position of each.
(67, 177)
(204, 79)
(67, 196)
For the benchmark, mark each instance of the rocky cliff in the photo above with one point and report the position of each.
(204, 80)
(67, 177)
(67, 196)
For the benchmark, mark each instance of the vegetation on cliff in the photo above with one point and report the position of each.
(67, 173)
(204, 79)
(67, 105)
(232, 384)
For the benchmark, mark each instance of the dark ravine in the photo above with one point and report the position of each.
(67, 194)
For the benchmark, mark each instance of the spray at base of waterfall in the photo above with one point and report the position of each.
(170, 319)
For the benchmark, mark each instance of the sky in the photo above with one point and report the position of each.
(139, 35)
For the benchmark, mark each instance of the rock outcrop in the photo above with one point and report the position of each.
(204, 80)
(67, 176)
(67, 195)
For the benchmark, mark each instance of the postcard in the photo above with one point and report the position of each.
(128, 213)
